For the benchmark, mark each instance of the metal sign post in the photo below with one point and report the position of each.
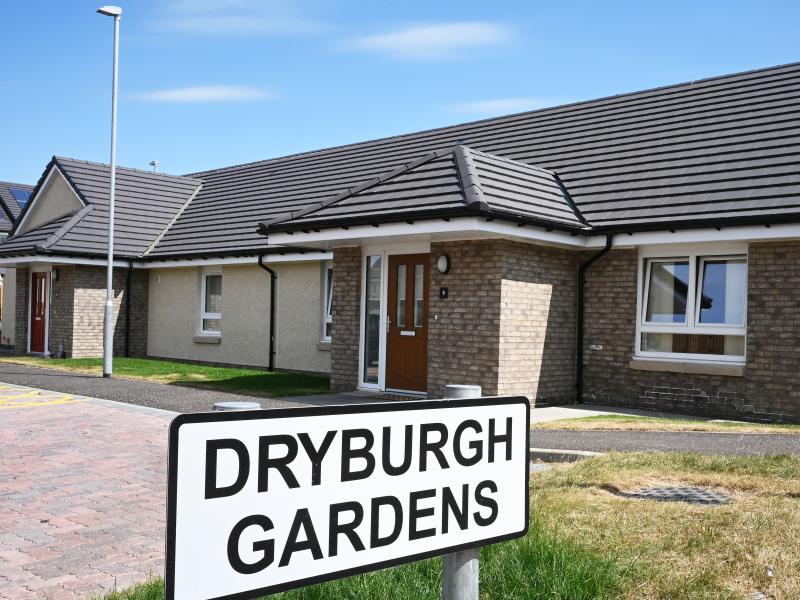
(460, 570)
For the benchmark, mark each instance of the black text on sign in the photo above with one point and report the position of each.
(264, 501)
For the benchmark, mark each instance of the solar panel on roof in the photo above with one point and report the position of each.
(21, 196)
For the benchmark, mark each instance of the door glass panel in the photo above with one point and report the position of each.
(668, 291)
(401, 296)
(419, 290)
(372, 324)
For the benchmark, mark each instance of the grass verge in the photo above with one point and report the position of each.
(639, 423)
(237, 380)
(536, 567)
(586, 543)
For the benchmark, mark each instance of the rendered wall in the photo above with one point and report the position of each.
(174, 310)
(55, 200)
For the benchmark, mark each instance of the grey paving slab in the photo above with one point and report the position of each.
(741, 444)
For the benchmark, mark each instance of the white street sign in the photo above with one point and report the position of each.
(264, 501)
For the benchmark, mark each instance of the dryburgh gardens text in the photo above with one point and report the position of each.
(262, 501)
(467, 506)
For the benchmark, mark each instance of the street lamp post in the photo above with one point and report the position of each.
(108, 321)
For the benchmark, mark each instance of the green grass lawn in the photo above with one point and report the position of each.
(587, 543)
(239, 380)
(642, 423)
(536, 567)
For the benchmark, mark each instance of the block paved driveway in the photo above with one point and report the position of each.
(82, 494)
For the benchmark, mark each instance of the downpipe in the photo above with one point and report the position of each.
(273, 277)
(582, 270)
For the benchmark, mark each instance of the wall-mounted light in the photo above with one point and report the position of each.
(443, 264)
(55, 274)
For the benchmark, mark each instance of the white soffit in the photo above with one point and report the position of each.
(430, 231)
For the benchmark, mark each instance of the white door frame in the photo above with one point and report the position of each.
(49, 290)
(384, 251)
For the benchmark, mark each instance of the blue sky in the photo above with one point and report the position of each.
(207, 83)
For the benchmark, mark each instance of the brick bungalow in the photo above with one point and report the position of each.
(638, 250)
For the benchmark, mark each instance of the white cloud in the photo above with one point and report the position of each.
(234, 17)
(503, 106)
(206, 93)
(443, 40)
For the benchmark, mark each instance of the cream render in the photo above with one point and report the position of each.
(57, 199)
(174, 316)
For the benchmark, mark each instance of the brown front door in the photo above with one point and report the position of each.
(38, 310)
(407, 330)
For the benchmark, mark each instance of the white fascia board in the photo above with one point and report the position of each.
(238, 260)
(54, 259)
(12, 261)
(431, 231)
(749, 233)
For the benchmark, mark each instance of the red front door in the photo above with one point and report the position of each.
(407, 333)
(38, 310)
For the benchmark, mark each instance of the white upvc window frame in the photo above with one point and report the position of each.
(327, 297)
(203, 314)
(696, 256)
(384, 251)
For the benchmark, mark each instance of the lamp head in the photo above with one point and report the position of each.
(110, 11)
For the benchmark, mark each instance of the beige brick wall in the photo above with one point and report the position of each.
(345, 307)
(509, 322)
(538, 325)
(89, 297)
(21, 301)
(767, 391)
(464, 329)
(76, 311)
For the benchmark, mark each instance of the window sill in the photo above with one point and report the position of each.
(207, 339)
(324, 346)
(688, 367)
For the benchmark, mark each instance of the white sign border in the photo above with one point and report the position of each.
(317, 411)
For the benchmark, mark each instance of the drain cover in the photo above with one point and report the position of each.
(693, 495)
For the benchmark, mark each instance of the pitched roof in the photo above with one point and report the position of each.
(10, 193)
(451, 182)
(145, 204)
(720, 150)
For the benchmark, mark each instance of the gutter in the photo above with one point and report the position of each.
(584, 267)
(273, 277)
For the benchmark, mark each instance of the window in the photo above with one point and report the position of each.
(693, 307)
(211, 304)
(372, 318)
(327, 298)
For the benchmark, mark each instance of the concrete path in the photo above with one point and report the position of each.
(581, 411)
(667, 441)
(82, 494)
